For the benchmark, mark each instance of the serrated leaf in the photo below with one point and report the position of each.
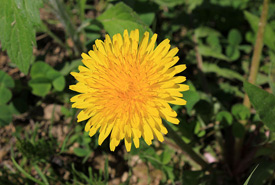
(269, 38)
(120, 17)
(263, 102)
(17, 32)
(224, 72)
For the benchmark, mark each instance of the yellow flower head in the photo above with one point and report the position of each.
(126, 88)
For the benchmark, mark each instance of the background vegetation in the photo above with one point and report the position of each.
(221, 139)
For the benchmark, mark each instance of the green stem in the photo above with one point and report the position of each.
(257, 50)
(185, 147)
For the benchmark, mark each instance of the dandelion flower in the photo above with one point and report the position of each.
(127, 87)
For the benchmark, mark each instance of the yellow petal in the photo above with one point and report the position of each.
(82, 116)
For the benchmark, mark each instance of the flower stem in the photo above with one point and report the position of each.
(257, 50)
(185, 147)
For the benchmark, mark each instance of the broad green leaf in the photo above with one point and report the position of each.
(32, 8)
(44, 77)
(234, 37)
(224, 115)
(240, 112)
(224, 72)
(6, 80)
(5, 115)
(17, 33)
(5, 95)
(120, 17)
(269, 38)
(263, 102)
(40, 86)
(39, 69)
(210, 52)
(80, 152)
(166, 156)
(59, 83)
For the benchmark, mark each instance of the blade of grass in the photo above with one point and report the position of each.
(24, 172)
(43, 177)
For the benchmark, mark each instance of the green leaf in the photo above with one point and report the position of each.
(263, 102)
(269, 38)
(224, 115)
(263, 173)
(44, 77)
(224, 72)
(248, 179)
(234, 37)
(5, 115)
(214, 42)
(206, 31)
(240, 111)
(238, 130)
(59, 83)
(210, 52)
(5, 95)
(228, 88)
(192, 96)
(40, 86)
(80, 152)
(166, 156)
(6, 80)
(120, 17)
(39, 69)
(232, 52)
(17, 33)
